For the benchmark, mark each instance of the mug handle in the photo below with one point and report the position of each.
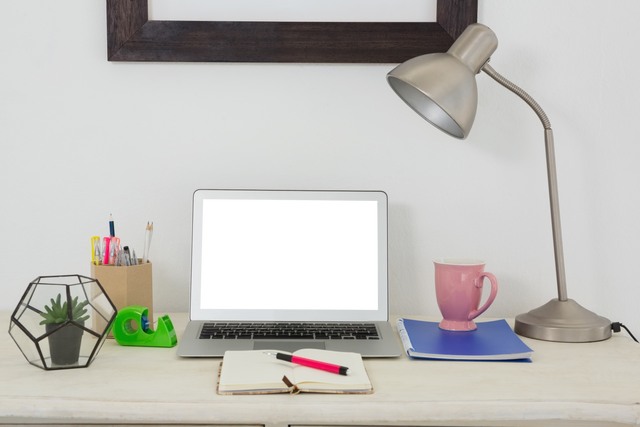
(494, 291)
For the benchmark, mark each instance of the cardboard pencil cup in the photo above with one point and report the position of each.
(126, 285)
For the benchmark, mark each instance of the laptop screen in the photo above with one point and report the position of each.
(289, 255)
(275, 254)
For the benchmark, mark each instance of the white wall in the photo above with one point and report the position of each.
(82, 138)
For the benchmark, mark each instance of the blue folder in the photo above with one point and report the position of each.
(492, 341)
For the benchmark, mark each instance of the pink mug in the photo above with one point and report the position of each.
(458, 291)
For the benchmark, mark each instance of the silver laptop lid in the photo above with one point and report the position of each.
(265, 255)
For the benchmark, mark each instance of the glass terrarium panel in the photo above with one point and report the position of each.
(101, 341)
(28, 347)
(80, 299)
(42, 295)
(102, 309)
(24, 302)
(30, 320)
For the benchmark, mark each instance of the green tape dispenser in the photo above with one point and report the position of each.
(126, 332)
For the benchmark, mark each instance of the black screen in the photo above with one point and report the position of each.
(289, 254)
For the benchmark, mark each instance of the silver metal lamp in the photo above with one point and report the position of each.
(441, 87)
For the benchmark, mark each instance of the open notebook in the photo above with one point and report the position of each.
(254, 372)
(288, 270)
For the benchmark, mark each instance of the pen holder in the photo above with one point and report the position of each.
(130, 285)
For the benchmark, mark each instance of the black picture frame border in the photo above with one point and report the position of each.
(132, 37)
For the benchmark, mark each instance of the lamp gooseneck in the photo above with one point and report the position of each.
(551, 176)
(488, 69)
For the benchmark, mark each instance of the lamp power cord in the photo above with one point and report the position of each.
(616, 327)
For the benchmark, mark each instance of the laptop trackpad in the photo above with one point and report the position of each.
(287, 346)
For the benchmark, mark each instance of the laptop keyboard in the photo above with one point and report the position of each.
(317, 331)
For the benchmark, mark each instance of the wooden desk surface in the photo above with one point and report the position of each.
(567, 384)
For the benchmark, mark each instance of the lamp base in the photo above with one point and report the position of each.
(563, 321)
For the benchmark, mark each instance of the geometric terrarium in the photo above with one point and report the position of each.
(61, 322)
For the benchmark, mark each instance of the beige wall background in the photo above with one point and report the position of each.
(83, 138)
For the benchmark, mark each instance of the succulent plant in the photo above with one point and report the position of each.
(58, 313)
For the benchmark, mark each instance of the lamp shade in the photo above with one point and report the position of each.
(441, 87)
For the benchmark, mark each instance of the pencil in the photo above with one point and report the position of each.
(112, 227)
(147, 242)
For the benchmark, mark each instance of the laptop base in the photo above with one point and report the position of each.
(387, 346)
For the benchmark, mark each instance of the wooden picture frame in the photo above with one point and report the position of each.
(132, 37)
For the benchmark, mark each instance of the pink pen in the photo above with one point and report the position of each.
(105, 260)
(316, 364)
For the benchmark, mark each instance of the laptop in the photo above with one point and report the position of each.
(285, 270)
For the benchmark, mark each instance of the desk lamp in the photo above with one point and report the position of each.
(441, 87)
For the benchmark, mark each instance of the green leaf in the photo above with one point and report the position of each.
(79, 310)
(47, 318)
(49, 311)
